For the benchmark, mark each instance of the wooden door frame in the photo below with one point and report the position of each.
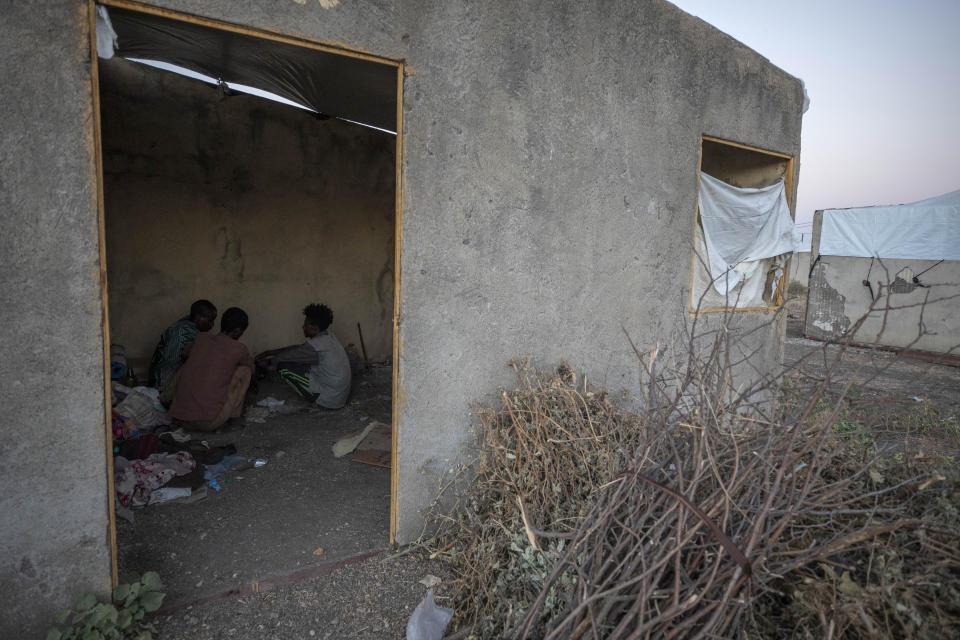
(396, 388)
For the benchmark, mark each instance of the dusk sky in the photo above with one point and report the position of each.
(884, 85)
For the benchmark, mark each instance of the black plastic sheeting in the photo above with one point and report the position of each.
(336, 85)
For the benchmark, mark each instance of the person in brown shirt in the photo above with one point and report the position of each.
(210, 387)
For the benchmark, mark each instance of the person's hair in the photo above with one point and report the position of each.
(202, 309)
(234, 318)
(319, 315)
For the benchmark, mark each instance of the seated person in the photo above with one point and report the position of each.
(317, 369)
(176, 340)
(210, 387)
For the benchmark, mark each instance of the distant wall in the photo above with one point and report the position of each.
(921, 318)
(245, 202)
(54, 543)
(800, 268)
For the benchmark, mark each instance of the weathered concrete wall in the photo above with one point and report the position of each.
(568, 156)
(246, 202)
(903, 316)
(549, 185)
(53, 501)
(800, 268)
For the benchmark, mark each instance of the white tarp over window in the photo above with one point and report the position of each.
(924, 230)
(742, 226)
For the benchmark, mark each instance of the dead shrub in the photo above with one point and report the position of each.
(712, 512)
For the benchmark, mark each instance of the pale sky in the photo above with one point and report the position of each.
(884, 83)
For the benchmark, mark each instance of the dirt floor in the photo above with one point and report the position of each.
(303, 510)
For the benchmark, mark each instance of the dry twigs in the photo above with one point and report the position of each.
(701, 516)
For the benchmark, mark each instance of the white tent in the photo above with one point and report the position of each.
(924, 230)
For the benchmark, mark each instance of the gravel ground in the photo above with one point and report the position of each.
(370, 599)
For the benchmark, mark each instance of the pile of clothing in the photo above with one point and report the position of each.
(153, 463)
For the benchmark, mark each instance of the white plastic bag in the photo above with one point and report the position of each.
(428, 622)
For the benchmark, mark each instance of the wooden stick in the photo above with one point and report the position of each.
(363, 347)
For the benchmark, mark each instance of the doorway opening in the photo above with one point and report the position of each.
(265, 177)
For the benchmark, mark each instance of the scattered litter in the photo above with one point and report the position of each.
(345, 445)
(164, 494)
(428, 622)
(271, 403)
(259, 462)
(917, 399)
(430, 581)
(376, 447)
(221, 468)
(318, 552)
(213, 484)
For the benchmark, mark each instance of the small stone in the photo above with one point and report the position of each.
(430, 581)
(312, 633)
(200, 584)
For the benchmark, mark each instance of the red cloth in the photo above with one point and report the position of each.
(205, 377)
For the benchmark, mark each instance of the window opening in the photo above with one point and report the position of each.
(733, 179)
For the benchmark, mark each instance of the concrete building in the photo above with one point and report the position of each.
(538, 200)
(894, 302)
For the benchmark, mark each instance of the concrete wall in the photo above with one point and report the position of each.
(549, 185)
(800, 268)
(904, 316)
(246, 202)
(53, 501)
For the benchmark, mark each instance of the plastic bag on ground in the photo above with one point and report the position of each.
(428, 622)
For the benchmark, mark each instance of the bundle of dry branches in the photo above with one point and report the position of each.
(701, 515)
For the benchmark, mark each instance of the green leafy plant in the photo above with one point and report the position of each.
(117, 620)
